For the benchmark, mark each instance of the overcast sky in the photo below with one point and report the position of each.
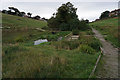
(45, 8)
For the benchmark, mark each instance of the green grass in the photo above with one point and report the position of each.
(109, 28)
(24, 29)
(46, 61)
(21, 22)
(23, 59)
(106, 22)
(99, 67)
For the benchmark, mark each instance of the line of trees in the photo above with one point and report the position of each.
(105, 14)
(15, 11)
(67, 19)
(108, 14)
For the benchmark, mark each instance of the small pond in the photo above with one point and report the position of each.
(37, 42)
(40, 41)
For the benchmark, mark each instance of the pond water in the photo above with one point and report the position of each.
(40, 41)
(37, 42)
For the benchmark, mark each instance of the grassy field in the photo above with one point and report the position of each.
(62, 59)
(54, 59)
(21, 22)
(109, 28)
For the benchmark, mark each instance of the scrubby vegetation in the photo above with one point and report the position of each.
(47, 62)
(75, 32)
(53, 59)
(50, 60)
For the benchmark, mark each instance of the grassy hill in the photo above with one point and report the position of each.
(54, 59)
(21, 22)
(109, 28)
(15, 27)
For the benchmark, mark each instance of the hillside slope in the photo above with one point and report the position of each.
(15, 27)
(53, 59)
(21, 22)
(109, 28)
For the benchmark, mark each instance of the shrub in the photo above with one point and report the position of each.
(81, 35)
(75, 32)
(86, 39)
(19, 39)
(52, 37)
(83, 25)
(43, 37)
(86, 49)
(74, 44)
(68, 45)
(95, 44)
(90, 32)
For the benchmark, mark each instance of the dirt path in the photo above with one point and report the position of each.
(109, 68)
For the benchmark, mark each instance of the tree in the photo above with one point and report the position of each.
(23, 13)
(37, 17)
(53, 23)
(66, 12)
(74, 24)
(4, 11)
(17, 12)
(9, 12)
(29, 14)
(83, 25)
(87, 21)
(104, 15)
(45, 19)
(62, 18)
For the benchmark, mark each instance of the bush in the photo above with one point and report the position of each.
(74, 44)
(52, 37)
(86, 49)
(43, 37)
(83, 25)
(19, 39)
(64, 27)
(95, 44)
(68, 45)
(75, 32)
(90, 32)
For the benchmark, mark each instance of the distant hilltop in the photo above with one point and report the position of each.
(109, 14)
(17, 12)
(114, 13)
